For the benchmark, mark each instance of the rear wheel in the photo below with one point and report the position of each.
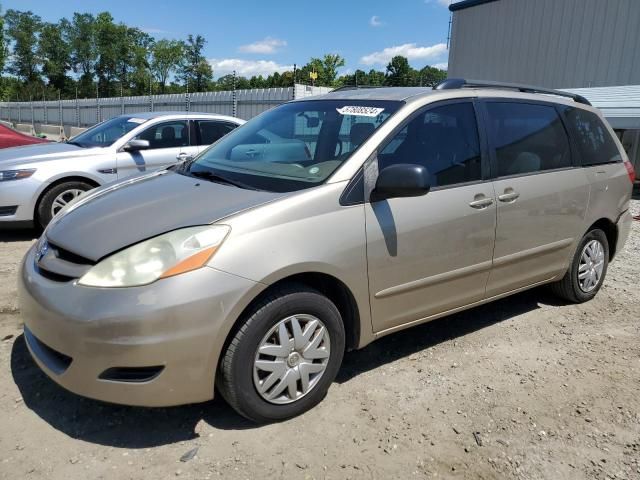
(587, 271)
(284, 357)
(57, 197)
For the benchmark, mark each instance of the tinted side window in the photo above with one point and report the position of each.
(211, 131)
(593, 139)
(444, 140)
(527, 138)
(166, 135)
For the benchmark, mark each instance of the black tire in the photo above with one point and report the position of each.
(569, 288)
(235, 374)
(43, 210)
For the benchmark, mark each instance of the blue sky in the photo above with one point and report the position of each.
(260, 36)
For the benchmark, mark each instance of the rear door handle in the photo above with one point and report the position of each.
(184, 156)
(508, 196)
(481, 203)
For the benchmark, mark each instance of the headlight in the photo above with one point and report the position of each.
(163, 256)
(6, 175)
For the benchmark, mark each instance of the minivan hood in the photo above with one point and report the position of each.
(43, 152)
(125, 213)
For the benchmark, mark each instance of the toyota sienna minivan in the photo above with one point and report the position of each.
(316, 228)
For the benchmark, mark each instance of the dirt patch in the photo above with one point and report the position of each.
(526, 387)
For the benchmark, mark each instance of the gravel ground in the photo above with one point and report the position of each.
(526, 387)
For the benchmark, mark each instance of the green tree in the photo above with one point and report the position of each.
(258, 82)
(3, 43)
(431, 76)
(196, 71)
(134, 60)
(108, 37)
(23, 29)
(166, 59)
(81, 39)
(399, 72)
(55, 54)
(330, 64)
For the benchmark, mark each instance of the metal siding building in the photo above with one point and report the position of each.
(550, 43)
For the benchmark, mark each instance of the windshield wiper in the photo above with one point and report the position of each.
(77, 144)
(214, 177)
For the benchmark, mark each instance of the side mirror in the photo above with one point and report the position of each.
(135, 145)
(401, 180)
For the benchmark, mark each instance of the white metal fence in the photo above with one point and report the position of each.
(86, 112)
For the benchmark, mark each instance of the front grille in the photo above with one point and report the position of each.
(131, 374)
(7, 211)
(55, 361)
(60, 265)
(70, 257)
(55, 277)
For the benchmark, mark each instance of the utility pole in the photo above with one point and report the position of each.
(295, 74)
(77, 108)
(44, 105)
(97, 103)
(234, 96)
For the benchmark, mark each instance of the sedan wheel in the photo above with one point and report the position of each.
(57, 197)
(63, 199)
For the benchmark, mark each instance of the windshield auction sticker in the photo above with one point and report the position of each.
(136, 120)
(360, 111)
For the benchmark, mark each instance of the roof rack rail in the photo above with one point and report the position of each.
(455, 83)
(355, 87)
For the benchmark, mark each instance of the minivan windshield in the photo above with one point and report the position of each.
(294, 146)
(106, 133)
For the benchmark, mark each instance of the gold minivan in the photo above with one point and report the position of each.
(315, 228)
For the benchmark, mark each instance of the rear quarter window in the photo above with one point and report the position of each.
(592, 138)
(528, 138)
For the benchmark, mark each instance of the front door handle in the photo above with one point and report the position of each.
(184, 156)
(508, 196)
(481, 202)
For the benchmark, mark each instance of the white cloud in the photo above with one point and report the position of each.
(409, 50)
(267, 45)
(375, 21)
(151, 31)
(246, 68)
(441, 66)
(444, 3)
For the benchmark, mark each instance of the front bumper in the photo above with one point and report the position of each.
(22, 194)
(77, 333)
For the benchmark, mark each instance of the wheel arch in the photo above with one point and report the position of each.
(610, 230)
(59, 181)
(330, 286)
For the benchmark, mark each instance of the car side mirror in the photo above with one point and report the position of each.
(401, 180)
(136, 144)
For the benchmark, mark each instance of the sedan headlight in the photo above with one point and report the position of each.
(163, 256)
(6, 175)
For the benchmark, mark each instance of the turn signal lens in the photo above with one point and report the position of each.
(6, 175)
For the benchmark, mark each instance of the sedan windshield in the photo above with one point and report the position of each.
(294, 146)
(106, 133)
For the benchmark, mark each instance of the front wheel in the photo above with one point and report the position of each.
(587, 270)
(57, 197)
(284, 357)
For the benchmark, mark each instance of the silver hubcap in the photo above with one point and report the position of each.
(591, 266)
(63, 199)
(291, 359)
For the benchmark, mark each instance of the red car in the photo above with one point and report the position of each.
(12, 138)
